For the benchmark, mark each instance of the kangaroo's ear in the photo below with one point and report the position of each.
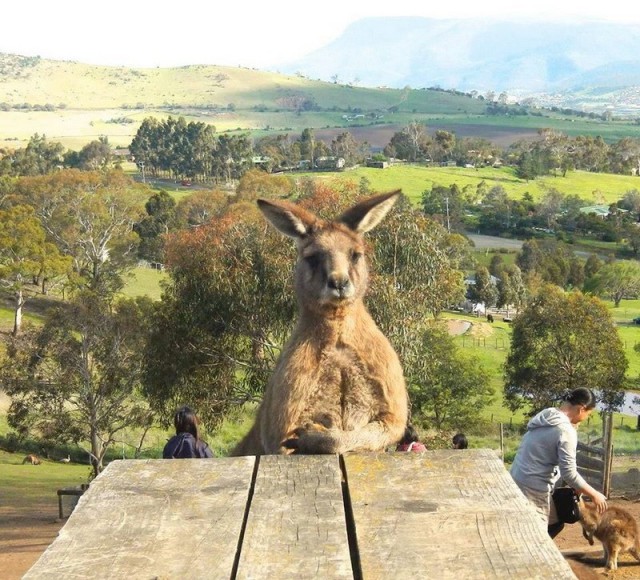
(287, 217)
(367, 214)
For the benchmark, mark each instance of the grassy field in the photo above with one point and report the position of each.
(595, 188)
(27, 483)
(145, 282)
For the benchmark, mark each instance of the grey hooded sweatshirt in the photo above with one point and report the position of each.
(550, 442)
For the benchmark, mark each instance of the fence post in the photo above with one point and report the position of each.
(501, 442)
(607, 437)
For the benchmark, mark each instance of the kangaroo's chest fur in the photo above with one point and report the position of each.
(344, 391)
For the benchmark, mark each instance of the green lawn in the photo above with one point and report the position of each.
(24, 484)
(414, 179)
(144, 281)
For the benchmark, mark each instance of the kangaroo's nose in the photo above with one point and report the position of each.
(338, 282)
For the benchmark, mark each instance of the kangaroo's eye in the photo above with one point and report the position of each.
(313, 261)
(355, 257)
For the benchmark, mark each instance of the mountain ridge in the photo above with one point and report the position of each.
(523, 58)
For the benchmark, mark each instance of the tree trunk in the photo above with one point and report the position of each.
(17, 319)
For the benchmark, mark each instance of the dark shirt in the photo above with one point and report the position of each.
(185, 446)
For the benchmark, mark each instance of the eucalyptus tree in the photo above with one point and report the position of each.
(484, 290)
(511, 289)
(411, 143)
(25, 256)
(447, 388)
(89, 216)
(39, 157)
(616, 281)
(560, 341)
(76, 378)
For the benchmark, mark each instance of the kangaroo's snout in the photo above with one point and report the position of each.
(341, 285)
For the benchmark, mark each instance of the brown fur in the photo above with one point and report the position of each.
(338, 385)
(32, 459)
(616, 529)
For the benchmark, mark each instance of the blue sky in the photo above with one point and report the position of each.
(142, 33)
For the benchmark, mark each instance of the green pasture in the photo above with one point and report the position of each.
(595, 188)
(143, 281)
(484, 256)
(27, 484)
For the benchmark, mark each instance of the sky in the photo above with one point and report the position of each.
(248, 33)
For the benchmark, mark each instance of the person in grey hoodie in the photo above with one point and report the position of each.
(547, 453)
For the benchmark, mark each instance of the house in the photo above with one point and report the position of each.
(329, 163)
(601, 211)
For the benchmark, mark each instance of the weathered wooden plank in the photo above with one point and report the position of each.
(591, 449)
(446, 514)
(586, 461)
(177, 518)
(296, 526)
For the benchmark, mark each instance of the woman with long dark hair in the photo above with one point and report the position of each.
(186, 443)
(547, 453)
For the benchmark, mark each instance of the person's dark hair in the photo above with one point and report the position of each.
(581, 396)
(185, 421)
(410, 435)
(460, 441)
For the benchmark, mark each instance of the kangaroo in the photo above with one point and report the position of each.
(31, 459)
(616, 529)
(338, 385)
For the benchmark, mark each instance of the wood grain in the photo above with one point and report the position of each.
(177, 518)
(296, 526)
(446, 514)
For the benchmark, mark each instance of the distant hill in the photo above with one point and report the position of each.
(75, 103)
(525, 59)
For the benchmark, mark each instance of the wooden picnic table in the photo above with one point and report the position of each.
(438, 514)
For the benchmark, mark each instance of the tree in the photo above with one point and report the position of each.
(496, 265)
(484, 290)
(548, 259)
(77, 378)
(511, 288)
(279, 151)
(229, 304)
(417, 268)
(447, 389)
(89, 215)
(617, 280)
(561, 341)
(225, 311)
(411, 143)
(445, 204)
(255, 183)
(346, 146)
(495, 210)
(591, 266)
(160, 219)
(25, 255)
(39, 157)
(444, 143)
(94, 156)
(549, 207)
(201, 207)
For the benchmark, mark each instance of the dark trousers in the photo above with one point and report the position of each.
(555, 529)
